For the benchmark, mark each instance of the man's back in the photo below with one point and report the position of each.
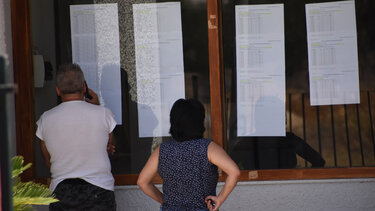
(76, 136)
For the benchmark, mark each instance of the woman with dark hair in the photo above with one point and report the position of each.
(188, 164)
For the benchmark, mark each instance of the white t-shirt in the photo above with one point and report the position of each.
(76, 136)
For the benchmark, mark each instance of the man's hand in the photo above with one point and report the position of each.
(111, 148)
(94, 100)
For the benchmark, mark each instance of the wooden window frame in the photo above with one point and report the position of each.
(25, 117)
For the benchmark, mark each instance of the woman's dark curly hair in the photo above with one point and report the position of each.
(187, 120)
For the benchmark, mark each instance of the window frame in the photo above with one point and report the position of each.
(25, 114)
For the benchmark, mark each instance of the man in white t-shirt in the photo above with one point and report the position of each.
(75, 138)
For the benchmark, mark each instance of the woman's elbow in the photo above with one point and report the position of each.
(141, 182)
(236, 173)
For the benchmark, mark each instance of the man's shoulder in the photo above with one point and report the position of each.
(69, 107)
(52, 111)
(76, 105)
(76, 109)
(98, 108)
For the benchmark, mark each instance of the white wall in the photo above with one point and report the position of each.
(344, 194)
(310, 195)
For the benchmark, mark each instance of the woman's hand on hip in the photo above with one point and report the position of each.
(213, 203)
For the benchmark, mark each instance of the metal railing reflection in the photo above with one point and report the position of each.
(348, 128)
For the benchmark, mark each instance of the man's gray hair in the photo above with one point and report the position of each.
(70, 79)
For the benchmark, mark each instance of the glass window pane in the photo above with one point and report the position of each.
(340, 134)
(133, 148)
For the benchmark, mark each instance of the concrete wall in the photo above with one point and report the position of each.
(322, 195)
(344, 194)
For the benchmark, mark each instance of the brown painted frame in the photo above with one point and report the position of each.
(24, 78)
(25, 122)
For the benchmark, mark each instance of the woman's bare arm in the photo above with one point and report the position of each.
(145, 177)
(221, 159)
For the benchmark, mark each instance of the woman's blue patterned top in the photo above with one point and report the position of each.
(188, 176)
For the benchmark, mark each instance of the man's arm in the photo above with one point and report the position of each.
(46, 155)
(94, 100)
(110, 146)
(308, 153)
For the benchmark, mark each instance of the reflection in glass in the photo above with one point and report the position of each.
(336, 134)
(159, 64)
(161, 60)
(132, 148)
